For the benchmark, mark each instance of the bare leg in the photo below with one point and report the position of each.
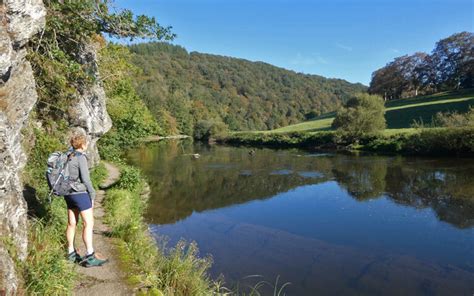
(88, 226)
(72, 218)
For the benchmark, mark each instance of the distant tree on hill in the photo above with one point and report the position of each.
(453, 61)
(388, 81)
(449, 67)
(363, 114)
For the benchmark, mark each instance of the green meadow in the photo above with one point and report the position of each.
(400, 114)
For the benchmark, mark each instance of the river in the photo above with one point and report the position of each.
(325, 223)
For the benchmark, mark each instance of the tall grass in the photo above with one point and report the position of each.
(46, 270)
(156, 269)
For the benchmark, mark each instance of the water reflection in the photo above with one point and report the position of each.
(225, 176)
(330, 224)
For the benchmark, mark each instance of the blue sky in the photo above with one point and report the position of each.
(346, 39)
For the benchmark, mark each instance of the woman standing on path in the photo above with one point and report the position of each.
(81, 203)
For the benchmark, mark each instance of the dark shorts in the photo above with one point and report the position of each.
(81, 201)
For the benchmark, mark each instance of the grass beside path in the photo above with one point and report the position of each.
(150, 267)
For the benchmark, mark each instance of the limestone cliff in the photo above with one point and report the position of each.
(88, 113)
(19, 20)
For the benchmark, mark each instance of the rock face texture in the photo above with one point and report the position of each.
(19, 20)
(89, 114)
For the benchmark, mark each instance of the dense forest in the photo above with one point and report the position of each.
(188, 92)
(450, 66)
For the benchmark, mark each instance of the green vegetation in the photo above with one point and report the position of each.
(190, 93)
(182, 88)
(177, 271)
(361, 115)
(454, 119)
(428, 141)
(449, 67)
(45, 270)
(131, 118)
(400, 114)
(434, 141)
(61, 75)
(439, 124)
(206, 129)
(404, 113)
(61, 71)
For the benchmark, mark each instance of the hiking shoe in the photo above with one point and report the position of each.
(74, 257)
(92, 260)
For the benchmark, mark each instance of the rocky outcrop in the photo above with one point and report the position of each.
(89, 113)
(19, 20)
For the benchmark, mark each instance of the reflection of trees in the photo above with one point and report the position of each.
(363, 178)
(182, 184)
(445, 186)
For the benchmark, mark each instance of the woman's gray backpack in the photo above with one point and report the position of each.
(57, 174)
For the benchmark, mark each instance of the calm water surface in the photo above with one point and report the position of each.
(329, 224)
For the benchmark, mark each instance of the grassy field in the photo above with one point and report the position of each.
(400, 114)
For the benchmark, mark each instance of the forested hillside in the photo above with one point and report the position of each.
(188, 92)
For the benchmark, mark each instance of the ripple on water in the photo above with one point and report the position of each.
(245, 173)
(281, 172)
(310, 174)
(220, 165)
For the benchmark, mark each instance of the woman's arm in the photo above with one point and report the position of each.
(85, 177)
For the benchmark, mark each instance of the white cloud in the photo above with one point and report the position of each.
(344, 47)
(313, 59)
(322, 60)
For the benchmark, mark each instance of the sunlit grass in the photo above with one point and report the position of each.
(159, 270)
(400, 114)
(46, 270)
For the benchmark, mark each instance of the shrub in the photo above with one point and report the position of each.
(454, 119)
(441, 141)
(130, 178)
(206, 129)
(363, 114)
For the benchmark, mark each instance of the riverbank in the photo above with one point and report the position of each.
(158, 138)
(150, 267)
(423, 141)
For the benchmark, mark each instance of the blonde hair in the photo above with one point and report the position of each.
(78, 141)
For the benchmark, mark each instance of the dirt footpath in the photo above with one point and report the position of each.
(107, 279)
